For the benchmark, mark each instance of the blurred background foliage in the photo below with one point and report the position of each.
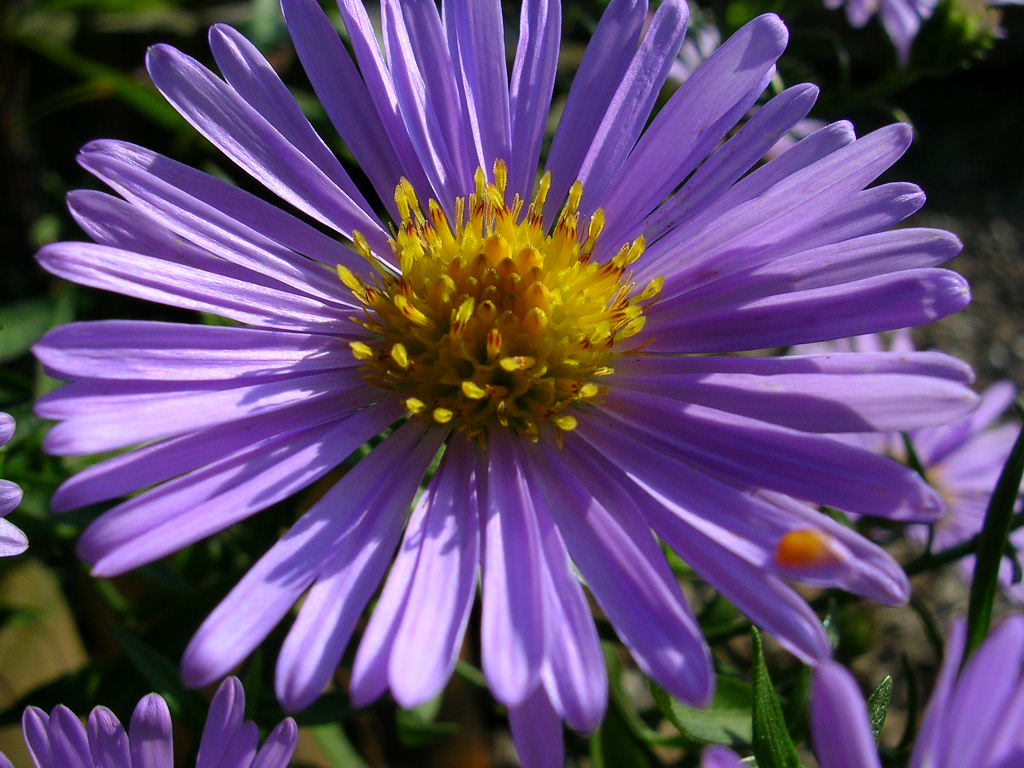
(72, 71)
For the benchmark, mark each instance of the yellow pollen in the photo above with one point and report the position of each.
(495, 320)
(804, 548)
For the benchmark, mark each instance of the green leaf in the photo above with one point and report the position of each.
(878, 706)
(21, 324)
(772, 745)
(160, 674)
(725, 721)
(418, 727)
(335, 744)
(614, 745)
(995, 532)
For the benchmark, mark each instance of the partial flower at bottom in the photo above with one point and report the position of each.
(12, 540)
(59, 740)
(562, 339)
(975, 716)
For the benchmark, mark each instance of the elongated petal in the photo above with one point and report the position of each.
(270, 588)
(626, 572)
(750, 453)
(149, 734)
(533, 78)
(514, 623)
(841, 733)
(441, 592)
(237, 129)
(537, 732)
(108, 741)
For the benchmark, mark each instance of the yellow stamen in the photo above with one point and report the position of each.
(495, 320)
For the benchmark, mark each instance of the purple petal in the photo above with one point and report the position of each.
(167, 459)
(935, 725)
(752, 232)
(881, 303)
(233, 126)
(533, 79)
(734, 158)
(843, 262)
(574, 677)
(107, 740)
(817, 402)
(352, 567)
(720, 557)
(154, 279)
(985, 690)
(750, 453)
(719, 757)
(605, 60)
(252, 78)
(420, 119)
(346, 98)
(696, 118)
(277, 750)
(99, 415)
(12, 539)
(626, 572)
(440, 593)
(537, 732)
(227, 711)
(839, 724)
(34, 724)
(6, 428)
(630, 107)
(125, 349)
(68, 741)
(269, 589)
(378, 81)
(514, 623)
(241, 206)
(933, 445)
(149, 734)
(205, 225)
(476, 36)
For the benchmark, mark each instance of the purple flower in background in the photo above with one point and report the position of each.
(59, 740)
(962, 460)
(974, 717)
(901, 19)
(565, 349)
(12, 540)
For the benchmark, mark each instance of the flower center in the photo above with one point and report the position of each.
(494, 321)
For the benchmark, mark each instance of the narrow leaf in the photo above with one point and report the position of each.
(995, 532)
(878, 706)
(772, 745)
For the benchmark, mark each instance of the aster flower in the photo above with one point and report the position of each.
(59, 740)
(901, 19)
(962, 460)
(974, 717)
(12, 540)
(561, 347)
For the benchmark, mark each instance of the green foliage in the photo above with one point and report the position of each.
(773, 747)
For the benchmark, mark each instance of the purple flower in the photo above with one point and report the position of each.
(555, 347)
(59, 740)
(12, 540)
(975, 716)
(901, 19)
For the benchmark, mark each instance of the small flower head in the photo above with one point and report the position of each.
(12, 540)
(58, 739)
